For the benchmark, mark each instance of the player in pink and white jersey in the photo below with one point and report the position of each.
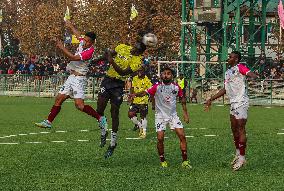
(74, 86)
(235, 87)
(165, 94)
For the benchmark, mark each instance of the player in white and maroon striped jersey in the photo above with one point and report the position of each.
(165, 94)
(235, 88)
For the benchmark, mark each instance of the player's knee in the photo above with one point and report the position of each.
(131, 114)
(80, 106)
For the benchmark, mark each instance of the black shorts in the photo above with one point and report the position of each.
(139, 108)
(112, 89)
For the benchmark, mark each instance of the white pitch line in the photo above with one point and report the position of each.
(44, 132)
(268, 107)
(210, 135)
(58, 141)
(33, 142)
(83, 140)
(220, 105)
(84, 130)
(23, 134)
(134, 138)
(8, 136)
(60, 131)
(9, 143)
(202, 128)
(33, 133)
(190, 136)
(280, 133)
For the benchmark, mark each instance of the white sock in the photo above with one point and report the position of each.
(113, 139)
(144, 124)
(135, 121)
(238, 152)
(103, 131)
(242, 157)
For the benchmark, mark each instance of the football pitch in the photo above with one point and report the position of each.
(68, 156)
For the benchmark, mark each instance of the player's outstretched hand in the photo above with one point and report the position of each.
(58, 43)
(207, 105)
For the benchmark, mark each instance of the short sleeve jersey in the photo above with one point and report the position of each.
(165, 98)
(85, 55)
(140, 85)
(235, 83)
(125, 59)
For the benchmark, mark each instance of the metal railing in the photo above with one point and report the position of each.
(261, 92)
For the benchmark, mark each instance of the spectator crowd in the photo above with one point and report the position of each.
(43, 66)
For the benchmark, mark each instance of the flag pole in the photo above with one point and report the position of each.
(280, 39)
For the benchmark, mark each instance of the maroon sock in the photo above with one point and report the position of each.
(242, 147)
(53, 113)
(90, 111)
(236, 141)
(184, 155)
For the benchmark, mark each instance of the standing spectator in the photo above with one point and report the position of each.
(183, 84)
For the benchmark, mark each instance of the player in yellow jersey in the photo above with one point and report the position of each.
(124, 60)
(140, 83)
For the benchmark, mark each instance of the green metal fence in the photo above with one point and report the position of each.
(40, 86)
(261, 92)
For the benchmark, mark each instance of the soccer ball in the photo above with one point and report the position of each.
(150, 40)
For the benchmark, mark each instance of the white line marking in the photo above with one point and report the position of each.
(220, 105)
(9, 143)
(23, 134)
(202, 128)
(58, 141)
(190, 136)
(280, 133)
(44, 132)
(33, 133)
(33, 142)
(134, 138)
(60, 131)
(210, 135)
(84, 130)
(83, 140)
(268, 107)
(8, 136)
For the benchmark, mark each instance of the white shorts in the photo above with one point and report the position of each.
(240, 111)
(74, 86)
(161, 122)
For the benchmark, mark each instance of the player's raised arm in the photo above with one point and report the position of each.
(73, 29)
(252, 75)
(216, 96)
(110, 58)
(66, 52)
